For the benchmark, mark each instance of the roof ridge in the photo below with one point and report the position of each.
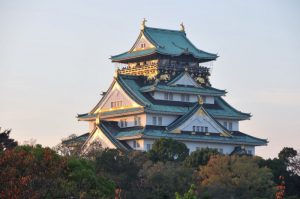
(163, 29)
(183, 118)
(223, 101)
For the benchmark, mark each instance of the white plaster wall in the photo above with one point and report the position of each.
(92, 125)
(209, 100)
(116, 94)
(99, 136)
(235, 124)
(201, 119)
(166, 119)
(199, 122)
(177, 97)
(141, 143)
(129, 119)
(193, 146)
(227, 148)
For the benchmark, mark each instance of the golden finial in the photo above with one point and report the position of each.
(143, 25)
(182, 27)
(116, 73)
(97, 120)
(200, 100)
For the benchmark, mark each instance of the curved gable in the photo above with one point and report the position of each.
(116, 98)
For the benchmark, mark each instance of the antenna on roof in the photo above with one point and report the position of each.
(182, 27)
(143, 25)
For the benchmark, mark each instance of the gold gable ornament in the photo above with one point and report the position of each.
(200, 100)
(116, 73)
(97, 121)
(143, 25)
(182, 29)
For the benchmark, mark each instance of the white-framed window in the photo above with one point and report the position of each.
(136, 144)
(143, 45)
(201, 129)
(159, 121)
(149, 147)
(206, 129)
(185, 97)
(137, 121)
(154, 120)
(116, 104)
(230, 125)
(168, 96)
(123, 123)
(225, 124)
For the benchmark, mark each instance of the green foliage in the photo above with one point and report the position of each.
(287, 165)
(68, 147)
(117, 166)
(191, 194)
(166, 171)
(168, 150)
(236, 177)
(162, 180)
(199, 157)
(37, 172)
(286, 153)
(27, 172)
(83, 181)
(5, 141)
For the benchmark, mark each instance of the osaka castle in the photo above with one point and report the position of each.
(161, 89)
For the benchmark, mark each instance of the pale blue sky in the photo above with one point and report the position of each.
(54, 60)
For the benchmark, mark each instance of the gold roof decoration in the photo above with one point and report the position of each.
(143, 25)
(200, 100)
(182, 27)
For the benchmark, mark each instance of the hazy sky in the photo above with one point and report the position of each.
(54, 60)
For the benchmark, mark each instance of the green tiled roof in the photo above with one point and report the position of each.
(134, 54)
(184, 89)
(79, 139)
(223, 110)
(86, 116)
(121, 111)
(118, 135)
(167, 42)
(226, 111)
(135, 89)
(154, 133)
(108, 134)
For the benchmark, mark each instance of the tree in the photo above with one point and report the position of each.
(168, 150)
(236, 177)
(27, 172)
(162, 179)
(199, 157)
(286, 154)
(37, 172)
(5, 141)
(82, 181)
(191, 194)
(287, 166)
(117, 166)
(69, 146)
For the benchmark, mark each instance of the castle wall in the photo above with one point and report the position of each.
(147, 144)
(158, 95)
